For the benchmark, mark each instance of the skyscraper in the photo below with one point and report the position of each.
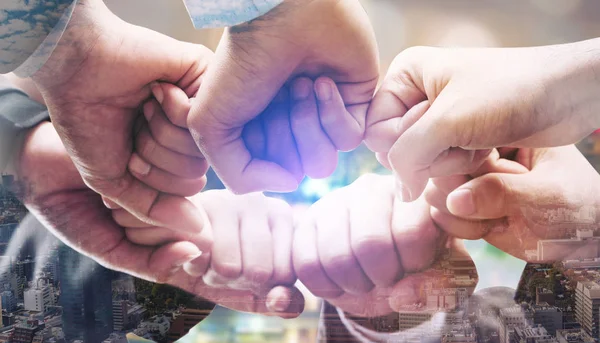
(86, 297)
(587, 306)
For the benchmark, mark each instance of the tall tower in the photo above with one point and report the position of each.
(86, 297)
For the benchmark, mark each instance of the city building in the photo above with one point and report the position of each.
(532, 335)
(25, 332)
(573, 336)
(446, 298)
(119, 310)
(39, 297)
(543, 295)
(9, 302)
(585, 264)
(583, 246)
(512, 318)
(157, 324)
(185, 322)
(86, 297)
(126, 315)
(587, 306)
(549, 317)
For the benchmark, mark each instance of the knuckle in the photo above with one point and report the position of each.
(146, 145)
(227, 271)
(257, 274)
(337, 261)
(370, 244)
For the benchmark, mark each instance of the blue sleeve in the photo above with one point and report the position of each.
(29, 32)
(223, 13)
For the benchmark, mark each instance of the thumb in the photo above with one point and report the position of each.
(491, 196)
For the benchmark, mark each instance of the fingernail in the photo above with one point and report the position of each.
(324, 91)
(187, 259)
(301, 90)
(196, 266)
(461, 203)
(403, 192)
(139, 166)
(157, 92)
(148, 111)
(110, 204)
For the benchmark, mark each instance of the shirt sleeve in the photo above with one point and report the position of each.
(29, 32)
(17, 114)
(224, 13)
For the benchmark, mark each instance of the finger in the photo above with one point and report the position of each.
(415, 151)
(457, 161)
(168, 134)
(381, 136)
(344, 131)
(335, 251)
(110, 204)
(281, 145)
(226, 255)
(256, 245)
(370, 232)
(168, 160)
(254, 138)
(156, 209)
(152, 236)
(164, 181)
(282, 231)
(436, 198)
(285, 302)
(307, 264)
(462, 228)
(317, 153)
(174, 102)
(126, 219)
(382, 158)
(416, 236)
(357, 98)
(491, 196)
(400, 91)
(198, 266)
(240, 171)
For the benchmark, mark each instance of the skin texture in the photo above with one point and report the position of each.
(367, 253)
(252, 64)
(440, 111)
(95, 84)
(518, 197)
(54, 192)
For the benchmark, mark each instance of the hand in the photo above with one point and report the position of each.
(165, 155)
(255, 60)
(367, 254)
(94, 85)
(54, 192)
(480, 99)
(167, 159)
(543, 194)
(250, 266)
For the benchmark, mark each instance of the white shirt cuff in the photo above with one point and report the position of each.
(224, 13)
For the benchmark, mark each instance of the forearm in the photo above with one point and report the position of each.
(574, 87)
(89, 21)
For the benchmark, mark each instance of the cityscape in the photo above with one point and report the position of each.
(51, 293)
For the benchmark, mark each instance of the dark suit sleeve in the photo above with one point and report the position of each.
(17, 114)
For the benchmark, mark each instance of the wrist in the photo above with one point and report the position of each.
(574, 86)
(84, 32)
